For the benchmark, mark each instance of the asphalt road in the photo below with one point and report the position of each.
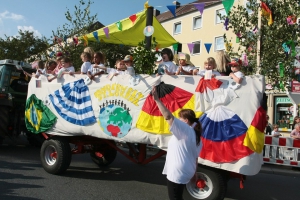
(22, 177)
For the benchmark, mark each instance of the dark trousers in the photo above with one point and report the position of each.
(175, 190)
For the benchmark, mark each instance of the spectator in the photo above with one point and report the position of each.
(268, 126)
(275, 132)
(186, 67)
(296, 132)
(296, 121)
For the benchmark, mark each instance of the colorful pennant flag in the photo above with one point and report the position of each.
(175, 47)
(38, 117)
(207, 46)
(226, 23)
(73, 103)
(266, 12)
(191, 47)
(227, 5)
(95, 33)
(200, 7)
(86, 41)
(237, 39)
(106, 31)
(172, 9)
(146, 5)
(119, 25)
(133, 18)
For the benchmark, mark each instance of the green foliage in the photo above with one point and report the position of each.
(144, 59)
(271, 39)
(23, 46)
(80, 23)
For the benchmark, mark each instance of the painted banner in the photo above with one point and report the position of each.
(121, 108)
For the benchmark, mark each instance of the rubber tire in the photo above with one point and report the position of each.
(108, 152)
(218, 181)
(4, 119)
(62, 147)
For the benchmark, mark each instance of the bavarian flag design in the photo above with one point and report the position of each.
(174, 98)
(38, 117)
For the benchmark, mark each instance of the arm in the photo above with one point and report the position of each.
(164, 111)
(235, 78)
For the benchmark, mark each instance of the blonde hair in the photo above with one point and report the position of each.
(86, 55)
(275, 126)
(89, 50)
(222, 60)
(212, 61)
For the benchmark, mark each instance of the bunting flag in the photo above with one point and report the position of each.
(200, 7)
(266, 12)
(73, 103)
(255, 134)
(226, 23)
(227, 5)
(106, 31)
(175, 47)
(150, 118)
(119, 25)
(95, 33)
(38, 117)
(51, 54)
(237, 39)
(133, 18)
(207, 46)
(172, 9)
(191, 47)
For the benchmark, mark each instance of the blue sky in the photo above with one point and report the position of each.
(43, 16)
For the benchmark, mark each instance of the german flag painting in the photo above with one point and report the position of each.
(174, 98)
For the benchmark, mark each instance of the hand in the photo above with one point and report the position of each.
(154, 93)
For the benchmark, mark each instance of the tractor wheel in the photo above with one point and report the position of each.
(55, 155)
(103, 155)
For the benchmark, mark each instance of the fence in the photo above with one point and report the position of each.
(282, 151)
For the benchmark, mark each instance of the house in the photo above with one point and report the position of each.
(190, 27)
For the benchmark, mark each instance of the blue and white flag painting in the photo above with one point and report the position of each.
(73, 103)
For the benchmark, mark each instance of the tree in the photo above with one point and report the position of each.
(276, 49)
(80, 23)
(24, 46)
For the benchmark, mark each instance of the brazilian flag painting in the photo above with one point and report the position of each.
(38, 117)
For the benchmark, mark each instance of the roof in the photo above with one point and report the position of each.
(184, 9)
(131, 34)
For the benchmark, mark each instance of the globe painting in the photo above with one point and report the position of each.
(115, 120)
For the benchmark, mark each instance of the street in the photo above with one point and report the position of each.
(22, 177)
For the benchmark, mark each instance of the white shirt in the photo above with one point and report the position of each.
(68, 69)
(169, 65)
(113, 70)
(180, 165)
(239, 74)
(43, 71)
(187, 68)
(202, 73)
(85, 66)
(130, 70)
(94, 69)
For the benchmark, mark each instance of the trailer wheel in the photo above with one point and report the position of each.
(103, 155)
(212, 185)
(55, 155)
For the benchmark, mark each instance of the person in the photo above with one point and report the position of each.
(167, 66)
(222, 61)
(67, 68)
(268, 129)
(91, 51)
(59, 57)
(275, 132)
(209, 65)
(98, 62)
(236, 74)
(183, 148)
(50, 66)
(40, 69)
(186, 67)
(86, 59)
(296, 132)
(20, 84)
(128, 60)
(296, 120)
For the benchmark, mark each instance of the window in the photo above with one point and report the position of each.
(219, 12)
(197, 22)
(196, 49)
(247, 3)
(177, 28)
(219, 43)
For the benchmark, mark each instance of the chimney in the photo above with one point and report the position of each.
(177, 4)
(156, 12)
